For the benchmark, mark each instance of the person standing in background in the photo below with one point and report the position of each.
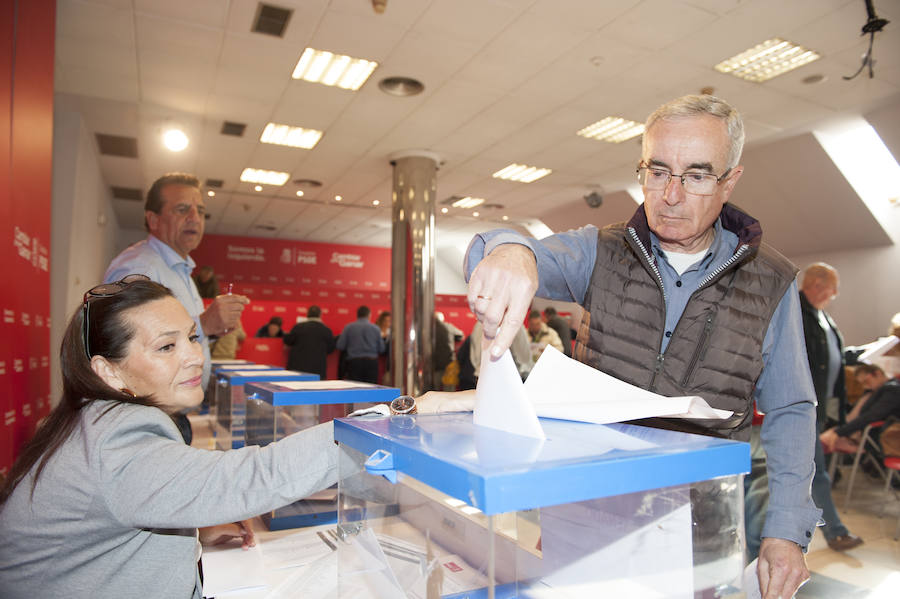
(175, 217)
(310, 341)
(226, 346)
(271, 328)
(362, 342)
(824, 350)
(206, 281)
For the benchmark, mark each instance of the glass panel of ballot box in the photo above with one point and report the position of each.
(278, 409)
(223, 365)
(231, 411)
(432, 506)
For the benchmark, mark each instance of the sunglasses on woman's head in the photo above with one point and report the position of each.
(102, 290)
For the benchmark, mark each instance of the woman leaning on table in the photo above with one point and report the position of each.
(106, 499)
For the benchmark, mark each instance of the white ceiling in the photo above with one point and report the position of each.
(505, 81)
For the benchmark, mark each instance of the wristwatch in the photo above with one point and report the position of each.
(404, 404)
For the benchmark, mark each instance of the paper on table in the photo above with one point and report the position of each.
(560, 387)
(293, 550)
(500, 400)
(228, 568)
(323, 385)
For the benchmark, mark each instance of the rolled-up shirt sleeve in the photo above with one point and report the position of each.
(784, 393)
(565, 261)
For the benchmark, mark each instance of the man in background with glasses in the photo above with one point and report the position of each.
(175, 216)
(684, 299)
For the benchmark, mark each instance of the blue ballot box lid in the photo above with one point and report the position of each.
(241, 377)
(319, 392)
(498, 472)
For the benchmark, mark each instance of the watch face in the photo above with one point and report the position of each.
(404, 404)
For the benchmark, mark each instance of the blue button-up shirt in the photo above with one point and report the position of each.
(164, 265)
(784, 391)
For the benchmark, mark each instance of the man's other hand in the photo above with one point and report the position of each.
(500, 292)
(781, 569)
(223, 314)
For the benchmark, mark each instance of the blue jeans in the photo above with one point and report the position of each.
(821, 494)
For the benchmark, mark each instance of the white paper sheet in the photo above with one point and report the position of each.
(560, 387)
(319, 385)
(500, 399)
(877, 348)
(228, 568)
(294, 550)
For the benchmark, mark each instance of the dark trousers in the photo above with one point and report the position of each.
(362, 369)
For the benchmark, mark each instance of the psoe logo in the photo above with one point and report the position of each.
(305, 257)
(347, 260)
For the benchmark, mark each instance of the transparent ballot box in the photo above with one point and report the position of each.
(209, 394)
(433, 506)
(278, 409)
(228, 425)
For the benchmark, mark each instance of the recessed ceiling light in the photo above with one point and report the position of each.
(286, 135)
(613, 129)
(255, 175)
(766, 60)
(505, 217)
(467, 202)
(521, 173)
(376, 202)
(445, 210)
(175, 140)
(211, 193)
(400, 86)
(299, 193)
(476, 214)
(327, 68)
(258, 187)
(338, 198)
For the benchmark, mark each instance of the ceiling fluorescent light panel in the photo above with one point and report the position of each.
(286, 135)
(327, 68)
(769, 59)
(521, 173)
(255, 175)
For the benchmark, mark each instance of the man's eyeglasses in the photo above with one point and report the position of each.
(102, 290)
(694, 182)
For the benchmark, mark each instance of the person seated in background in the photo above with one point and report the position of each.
(519, 349)
(881, 402)
(271, 328)
(207, 283)
(562, 328)
(106, 499)
(541, 335)
(226, 346)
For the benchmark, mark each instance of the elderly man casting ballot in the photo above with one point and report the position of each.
(684, 299)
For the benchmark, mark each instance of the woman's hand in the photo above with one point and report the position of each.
(223, 533)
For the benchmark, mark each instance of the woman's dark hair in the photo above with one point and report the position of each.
(110, 335)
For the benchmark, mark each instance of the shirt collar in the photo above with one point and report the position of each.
(169, 256)
(714, 251)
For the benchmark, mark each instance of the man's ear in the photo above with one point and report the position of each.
(152, 220)
(108, 372)
(731, 181)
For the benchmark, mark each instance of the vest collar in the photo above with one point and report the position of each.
(747, 228)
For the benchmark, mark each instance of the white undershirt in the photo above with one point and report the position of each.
(681, 262)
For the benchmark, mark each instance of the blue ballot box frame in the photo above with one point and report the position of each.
(279, 396)
(229, 416)
(625, 483)
(587, 469)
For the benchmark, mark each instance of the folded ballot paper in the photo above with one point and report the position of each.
(563, 388)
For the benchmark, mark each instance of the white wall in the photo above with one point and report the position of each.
(83, 223)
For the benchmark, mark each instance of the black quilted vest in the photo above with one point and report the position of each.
(716, 348)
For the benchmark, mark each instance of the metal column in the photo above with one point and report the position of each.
(412, 269)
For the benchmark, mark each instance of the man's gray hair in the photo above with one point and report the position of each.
(698, 105)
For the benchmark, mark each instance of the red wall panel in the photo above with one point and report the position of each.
(26, 140)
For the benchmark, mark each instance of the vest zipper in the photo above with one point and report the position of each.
(657, 368)
(734, 258)
(700, 350)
